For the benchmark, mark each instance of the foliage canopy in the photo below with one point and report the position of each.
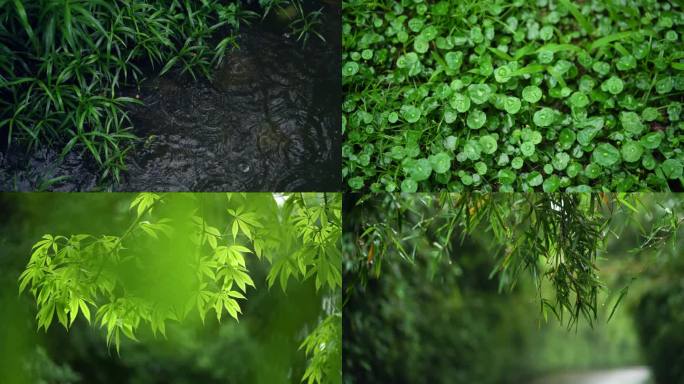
(176, 260)
(557, 238)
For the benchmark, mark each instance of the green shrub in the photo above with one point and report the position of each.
(63, 63)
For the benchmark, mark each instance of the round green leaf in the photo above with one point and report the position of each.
(512, 105)
(551, 184)
(479, 93)
(480, 168)
(625, 63)
(450, 142)
(367, 54)
(534, 137)
(476, 119)
(585, 136)
(502, 74)
(419, 169)
(527, 149)
(573, 169)
(476, 35)
(546, 33)
(544, 117)
(631, 151)
(562, 67)
(592, 171)
(412, 59)
(416, 24)
(350, 68)
(488, 144)
(409, 185)
(601, 67)
(450, 116)
(410, 113)
(460, 102)
(672, 168)
(631, 122)
(651, 140)
(517, 163)
(532, 94)
(650, 114)
(440, 162)
(506, 176)
(664, 85)
(578, 100)
(566, 138)
(648, 161)
(398, 152)
(355, 182)
(453, 60)
(606, 154)
(613, 85)
(534, 179)
(673, 112)
(472, 150)
(421, 45)
(545, 56)
(503, 160)
(560, 160)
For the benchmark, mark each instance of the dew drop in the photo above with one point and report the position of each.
(243, 167)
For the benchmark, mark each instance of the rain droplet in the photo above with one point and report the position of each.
(243, 167)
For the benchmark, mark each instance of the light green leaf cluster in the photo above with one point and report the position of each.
(171, 263)
(324, 346)
(318, 225)
(144, 201)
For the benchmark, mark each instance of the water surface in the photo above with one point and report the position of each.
(269, 120)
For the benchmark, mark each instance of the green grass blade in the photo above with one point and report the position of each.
(23, 19)
(68, 29)
(168, 65)
(501, 54)
(524, 51)
(49, 35)
(558, 48)
(609, 39)
(91, 20)
(577, 15)
(533, 68)
(623, 292)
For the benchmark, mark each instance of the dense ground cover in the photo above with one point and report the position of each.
(64, 63)
(522, 95)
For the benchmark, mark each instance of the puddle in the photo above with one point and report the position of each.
(269, 121)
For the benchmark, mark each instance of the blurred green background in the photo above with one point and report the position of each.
(443, 319)
(261, 348)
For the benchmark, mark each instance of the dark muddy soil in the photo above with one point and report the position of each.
(268, 121)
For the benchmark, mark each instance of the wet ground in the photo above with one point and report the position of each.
(268, 121)
(632, 375)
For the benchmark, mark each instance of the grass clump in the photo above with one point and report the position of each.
(512, 95)
(62, 63)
